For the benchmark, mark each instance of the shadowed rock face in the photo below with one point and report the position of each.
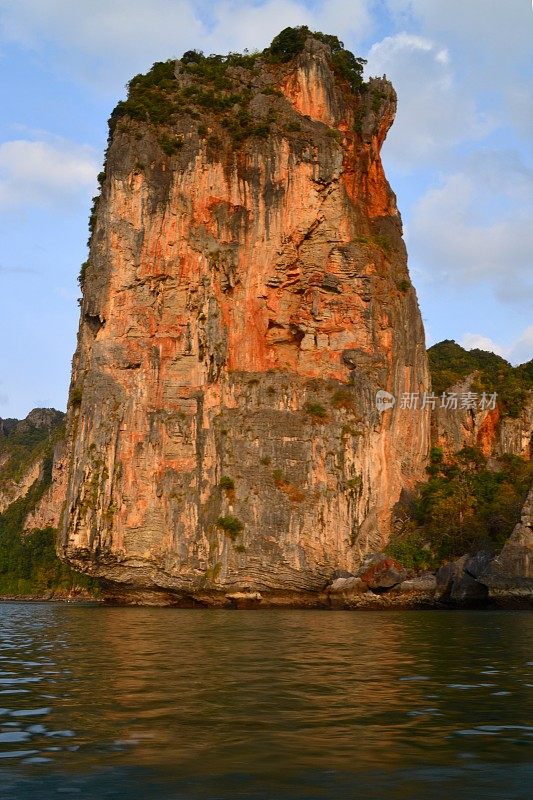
(510, 574)
(241, 308)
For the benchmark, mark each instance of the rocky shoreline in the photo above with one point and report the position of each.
(476, 580)
(400, 600)
(380, 583)
(52, 596)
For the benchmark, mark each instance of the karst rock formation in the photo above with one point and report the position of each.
(246, 296)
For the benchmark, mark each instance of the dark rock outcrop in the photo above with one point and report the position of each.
(456, 586)
(510, 575)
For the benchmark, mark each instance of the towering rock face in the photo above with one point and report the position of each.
(245, 297)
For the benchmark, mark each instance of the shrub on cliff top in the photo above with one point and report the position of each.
(156, 97)
(160, 74)
(288, 43)
(291, 41)
(149, 96)
(145, 105)
(192, 56)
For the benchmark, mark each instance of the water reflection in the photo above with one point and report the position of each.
(215, 704)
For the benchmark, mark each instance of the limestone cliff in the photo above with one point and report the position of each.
(245, 296)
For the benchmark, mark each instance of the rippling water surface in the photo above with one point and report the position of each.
(270, 705)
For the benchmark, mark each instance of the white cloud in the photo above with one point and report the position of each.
(122, 31)
(16, 270)
(472, 341)
(501, 29)
(517, 352)
(493, 40)
(519, 104)
(109, 42)
(255, 24)
(348, 19)
(477, 227)
(522, 349)
(434, 110)
(239, 25)
(44, 173)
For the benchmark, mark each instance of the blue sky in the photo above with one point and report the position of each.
(459, 155)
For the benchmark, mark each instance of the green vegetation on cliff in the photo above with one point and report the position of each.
(463, 506)
(291, 41)
(200, 85)
(29, 565)
(449, 364)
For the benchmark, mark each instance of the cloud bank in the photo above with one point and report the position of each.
(517, 352)
(107, 43)
(477, 227)
(45, 173)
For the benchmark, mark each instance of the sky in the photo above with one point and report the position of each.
(459, 156)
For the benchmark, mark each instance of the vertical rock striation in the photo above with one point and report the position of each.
(245, 297)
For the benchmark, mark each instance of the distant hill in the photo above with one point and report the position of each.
(25, 444)
(449, 363)
(29, 565)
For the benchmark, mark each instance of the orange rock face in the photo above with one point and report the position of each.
(242, 306)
